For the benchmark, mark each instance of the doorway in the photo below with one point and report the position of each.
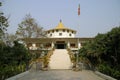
(60, 45)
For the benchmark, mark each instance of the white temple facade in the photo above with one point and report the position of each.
(60, 44)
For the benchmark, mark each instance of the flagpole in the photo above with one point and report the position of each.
(78, 18)
(77, 53)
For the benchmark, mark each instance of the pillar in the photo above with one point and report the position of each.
(68, 44)
(52, 45)
(79, 44)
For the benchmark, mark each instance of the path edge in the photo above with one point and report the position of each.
(18, 76)
(106, 77)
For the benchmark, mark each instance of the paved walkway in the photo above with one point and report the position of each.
(61, 75)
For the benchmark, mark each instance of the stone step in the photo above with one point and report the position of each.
(60, 60)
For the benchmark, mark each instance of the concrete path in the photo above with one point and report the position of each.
(61, 75)
(61, 58)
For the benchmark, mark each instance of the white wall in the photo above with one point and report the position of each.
(64, 34)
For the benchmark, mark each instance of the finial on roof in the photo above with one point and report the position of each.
(60, 20)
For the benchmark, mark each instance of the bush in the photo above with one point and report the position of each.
(106, 69)
(13, 60)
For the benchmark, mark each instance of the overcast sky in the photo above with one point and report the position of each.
(97, 16)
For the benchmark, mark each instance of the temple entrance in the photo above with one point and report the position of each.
(60, 45)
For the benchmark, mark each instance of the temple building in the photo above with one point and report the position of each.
(60, 45)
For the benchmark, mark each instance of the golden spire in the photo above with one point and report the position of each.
(60, 25)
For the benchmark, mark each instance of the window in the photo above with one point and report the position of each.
(53, 31)
(60, 34)
(48, 45)
(29, 44)
(63, 30)
(68, 31)
(70, 34)
(50, 34)
(72, 45)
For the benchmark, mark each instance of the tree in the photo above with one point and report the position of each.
(3, 23)
(28, 28)
(13, 60)
(9, 39)
(104, 52)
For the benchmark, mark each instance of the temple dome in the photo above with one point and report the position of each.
(61, 26)
(61, 31)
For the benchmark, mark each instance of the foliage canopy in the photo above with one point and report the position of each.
(104, 52)
(29, 28)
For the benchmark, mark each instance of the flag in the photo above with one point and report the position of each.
(78, 9)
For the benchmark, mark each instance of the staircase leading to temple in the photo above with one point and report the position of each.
(60, 59)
